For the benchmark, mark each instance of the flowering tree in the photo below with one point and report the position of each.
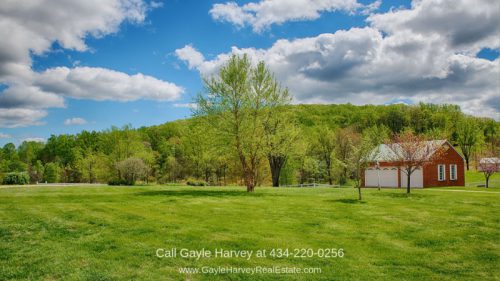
(489, 166)
(411, 152)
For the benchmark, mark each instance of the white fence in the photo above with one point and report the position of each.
(311, 185)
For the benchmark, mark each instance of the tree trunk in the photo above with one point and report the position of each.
(328, 163)
(207, 175)
(378, 176)
(329, 173)
(276, 164)
(343, 179)
(250, 186)
(249, 180)
(359, 192)
(224, 175)
(467, 162)
(248, 173)
(408, 177)
(302, 174)
(487, 181)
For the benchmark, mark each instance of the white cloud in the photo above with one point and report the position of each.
(156, 4)
(190, 55)
(35, 139)
(370, 8)
(260, 15)
(20, 117)
(231, 13)
(5, 136)
(75, 121)
(467, 25)
(100, 84)
(379, 64)
(19, 95)
(186, 105)
(33, 27)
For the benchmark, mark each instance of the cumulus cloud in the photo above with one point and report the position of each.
(466, 25)
(100, 84)
(190, 55)
(32, 28)
(19, 95)
(382, 63)
(21, 117)
(260, 15)
(75, 121)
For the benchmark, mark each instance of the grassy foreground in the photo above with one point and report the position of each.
(112, 233)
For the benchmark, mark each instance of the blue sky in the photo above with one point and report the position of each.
(346, 58)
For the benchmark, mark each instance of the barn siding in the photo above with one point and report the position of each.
(448, 158)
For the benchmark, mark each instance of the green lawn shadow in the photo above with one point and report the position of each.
(399, 194)
(202, 193)
(347, 201)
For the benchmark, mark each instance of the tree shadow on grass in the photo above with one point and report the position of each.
(202, 193)
(399, 195)
(347, 201)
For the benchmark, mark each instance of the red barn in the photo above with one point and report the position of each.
(445, 169)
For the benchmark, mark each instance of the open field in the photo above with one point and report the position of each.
(112, 233)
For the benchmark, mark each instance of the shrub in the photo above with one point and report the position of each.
(16, 178)
(120, 182)
(132, 169)
(196, 183)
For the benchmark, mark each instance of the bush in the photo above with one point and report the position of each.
(131, 170)
(120, 182)
(196, 183)
(16, 178)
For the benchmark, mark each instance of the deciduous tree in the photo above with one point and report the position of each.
(411, 152)
(280, 131)
(324, 147)
(489, 166)
(362, 146)
(236, 101)
(468, 137)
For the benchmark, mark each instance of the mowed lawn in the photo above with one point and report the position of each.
(112, 233)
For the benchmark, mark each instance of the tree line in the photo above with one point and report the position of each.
(245, 132)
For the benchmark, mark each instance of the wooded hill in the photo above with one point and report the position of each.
(190, 151)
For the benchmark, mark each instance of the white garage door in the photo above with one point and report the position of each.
(388, 177)
(417, 179)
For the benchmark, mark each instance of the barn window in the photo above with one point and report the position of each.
(453, 172)
(441, 172)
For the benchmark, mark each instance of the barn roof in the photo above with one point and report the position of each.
(384, 153)
(492, 160)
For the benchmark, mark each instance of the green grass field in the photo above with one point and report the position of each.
(112, 233)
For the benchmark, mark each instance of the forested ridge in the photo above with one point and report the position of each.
(191, 151)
